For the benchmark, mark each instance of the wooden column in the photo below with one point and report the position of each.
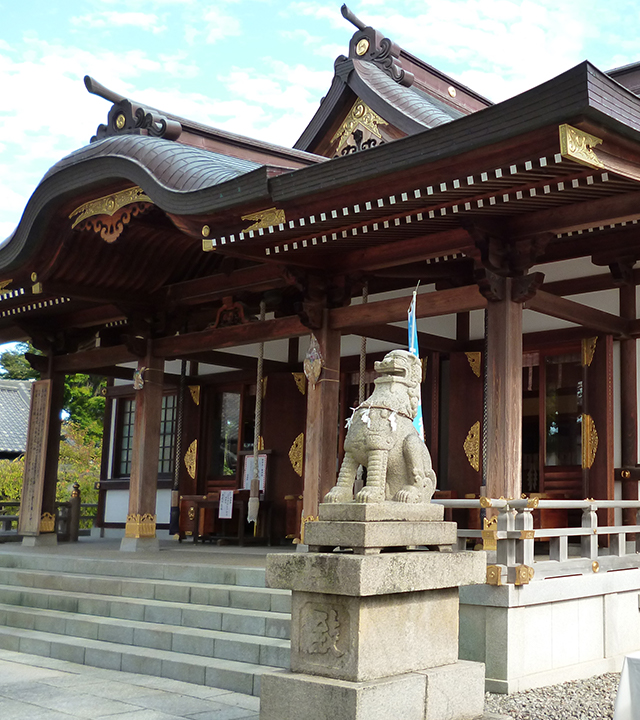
(37, 522)
(629, 403)
(321, 437)
(140, 532)
(504, 396)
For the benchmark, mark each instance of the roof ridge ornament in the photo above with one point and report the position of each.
(368, 44)
(130, 118)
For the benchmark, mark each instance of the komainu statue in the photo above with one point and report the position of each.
(382, 438)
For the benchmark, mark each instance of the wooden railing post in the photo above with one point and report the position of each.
(74, 513)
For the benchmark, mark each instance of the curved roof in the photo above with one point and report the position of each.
(172, 165)
(178, 178)
(405, 100)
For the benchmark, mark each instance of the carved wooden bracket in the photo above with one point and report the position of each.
(523, 288)
(622, 271)
(502, 256)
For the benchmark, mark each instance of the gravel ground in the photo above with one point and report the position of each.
(578, 700)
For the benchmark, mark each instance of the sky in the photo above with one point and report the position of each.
(260, 67)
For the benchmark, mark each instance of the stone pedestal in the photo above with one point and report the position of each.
(374, 635)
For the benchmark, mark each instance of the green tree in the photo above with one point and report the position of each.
(84, 400)
(14, 366)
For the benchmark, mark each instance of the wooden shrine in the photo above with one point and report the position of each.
(157, 241)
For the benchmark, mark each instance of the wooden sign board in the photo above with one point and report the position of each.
(35, 459)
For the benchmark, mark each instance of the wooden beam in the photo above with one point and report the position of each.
(239, 362)
(548, 304)
(87, 360)
(577, 216)
(97, 295)
(185, 345)
(255, 279)
(432, 304)
(403, 251)
(398, 336)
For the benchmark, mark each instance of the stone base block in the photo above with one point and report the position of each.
(381, 512)
(289, 696)
(361, 575)
(140, 545)
(43, 540)
(366, 638)
(370, 535)
(454, 692)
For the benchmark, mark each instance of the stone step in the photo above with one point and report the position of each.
(226, 674)
(208, 617)
(159, 569)
(252, 649)
(247, 598)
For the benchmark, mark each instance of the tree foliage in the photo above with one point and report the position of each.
(83, 394)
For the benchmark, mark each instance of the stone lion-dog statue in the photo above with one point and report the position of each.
(382, 438)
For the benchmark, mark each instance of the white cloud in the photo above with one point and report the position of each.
(220, 25)
(110, 19)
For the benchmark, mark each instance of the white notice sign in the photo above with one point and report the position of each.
(225, 510)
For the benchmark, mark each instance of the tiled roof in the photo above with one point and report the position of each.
(15, 397)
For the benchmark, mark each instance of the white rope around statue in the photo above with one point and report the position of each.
(254, 497)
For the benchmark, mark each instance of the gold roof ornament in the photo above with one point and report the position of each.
(360, 114)
(4, 284)
(264, 219)
(578, 145)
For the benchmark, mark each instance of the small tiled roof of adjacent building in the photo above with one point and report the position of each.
(14, 415)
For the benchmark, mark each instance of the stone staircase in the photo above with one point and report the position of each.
(201, 623)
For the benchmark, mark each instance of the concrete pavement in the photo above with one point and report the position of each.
(41, 688)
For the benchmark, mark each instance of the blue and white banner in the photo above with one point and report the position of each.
(418, 423)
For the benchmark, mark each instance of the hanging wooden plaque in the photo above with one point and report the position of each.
(35, 460)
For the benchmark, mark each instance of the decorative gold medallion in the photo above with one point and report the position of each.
(47, 523)
(472, 446)
(362, 46)
(192, 513)
(300, 382)
(360, 114)
(205, 231)
(194, 390)
(524, 575)
(265, 219)
(190, 459)
(140, 526)
(588, 350)
(296, 454)
(578, 145)
(494, 575)
(475, 362)
(589, 441)
(595, 566)
(121, 121)
(452, 91)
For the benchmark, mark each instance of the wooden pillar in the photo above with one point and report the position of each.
(140, 532)
(321, 441)
(629, 403)
(504, 396)
(37, 522)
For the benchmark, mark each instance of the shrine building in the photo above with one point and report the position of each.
(196, 270)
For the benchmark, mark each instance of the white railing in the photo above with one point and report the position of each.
(514, 556)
